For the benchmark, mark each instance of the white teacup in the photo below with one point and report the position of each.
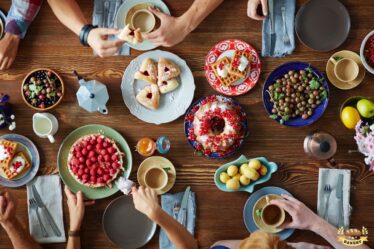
(45, 125)
(144, 20)
(156, 178)
(345, 69)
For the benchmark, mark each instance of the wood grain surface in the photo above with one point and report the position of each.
(49, 44)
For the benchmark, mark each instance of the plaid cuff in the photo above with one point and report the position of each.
(20, 16)
(16, 27)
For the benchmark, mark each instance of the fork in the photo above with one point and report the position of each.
(286, 38)
(34, 206)
(327, 191)
(176, 209)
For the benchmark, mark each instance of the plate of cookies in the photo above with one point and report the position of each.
(232, 67)
(19, 160)
(158, 87)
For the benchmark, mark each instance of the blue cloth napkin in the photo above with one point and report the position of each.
(280, 48)
(104, 14)
(167, 203)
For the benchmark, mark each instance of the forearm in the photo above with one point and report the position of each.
(19, 237)
(329, 233)
(69, 14)
(74, 243)
(198, 11)
(21, 15)
(177, 234)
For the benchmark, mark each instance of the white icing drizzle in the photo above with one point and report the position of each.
(224, 72)
(18, 159)
(243, 63)
(4, 154)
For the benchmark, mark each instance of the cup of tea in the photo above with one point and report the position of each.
(345, 69)
(156, 178)
(272, 215)
(144, 20)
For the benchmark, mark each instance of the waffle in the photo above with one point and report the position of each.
(7, 151)
(230, 78)
(18, 165)
(235, 64)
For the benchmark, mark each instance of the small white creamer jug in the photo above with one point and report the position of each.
(45, 125)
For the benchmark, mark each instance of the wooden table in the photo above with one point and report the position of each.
(49, 44)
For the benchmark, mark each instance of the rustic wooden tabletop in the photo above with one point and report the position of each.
(49, 44)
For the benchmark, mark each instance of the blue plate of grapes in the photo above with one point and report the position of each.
(295, 94)
(188, 126)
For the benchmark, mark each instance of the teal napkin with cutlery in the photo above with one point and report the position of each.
(168, 203)
(104, 14)
(280, 48)
(334, 205)
(49, 190)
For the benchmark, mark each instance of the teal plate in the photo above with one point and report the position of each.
(62, 157)
(271, 166)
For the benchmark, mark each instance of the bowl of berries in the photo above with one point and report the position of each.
(42, 89)
(367, 52)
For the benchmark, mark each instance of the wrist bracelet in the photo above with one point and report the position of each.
(74, 233)
(83, 35)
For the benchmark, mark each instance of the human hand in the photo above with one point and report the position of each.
(252, 9)
(98, 40)
(304, 245)
(8, 206)
(8, 50)
(302, 216)
(172, 30)
(146, 201)
(76, 205)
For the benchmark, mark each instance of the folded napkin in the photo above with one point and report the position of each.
(167, 203)
(281, 49)
(104, 14)
(49, 189)
(331, 176)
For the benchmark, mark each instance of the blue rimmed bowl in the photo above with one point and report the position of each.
(271, 166)
(188, 126)
(277, 74)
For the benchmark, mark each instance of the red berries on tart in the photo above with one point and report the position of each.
(95, 161)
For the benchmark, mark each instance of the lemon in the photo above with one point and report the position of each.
(242, 167)
(350, 117)
(232, 170)
(224, 177)
(233, 184)
(254, 164)
(244, 180)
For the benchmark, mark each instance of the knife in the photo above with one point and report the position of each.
(183, 209)
(272, 29)
(339, 196)
(48, 214)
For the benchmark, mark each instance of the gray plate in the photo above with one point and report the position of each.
(322, 25)
(125, 226)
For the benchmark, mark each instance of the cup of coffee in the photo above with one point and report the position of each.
(156, 178)
(345, 69)
(272, 215)
(144, 20)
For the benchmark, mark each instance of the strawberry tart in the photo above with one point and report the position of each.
(95, 161)
(217, 125)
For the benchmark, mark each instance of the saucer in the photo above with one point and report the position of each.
(335, 81)
(258, 221)
(124, 15)
(249, 207)
(164, 163)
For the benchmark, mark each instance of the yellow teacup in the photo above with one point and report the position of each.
(345, 69)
